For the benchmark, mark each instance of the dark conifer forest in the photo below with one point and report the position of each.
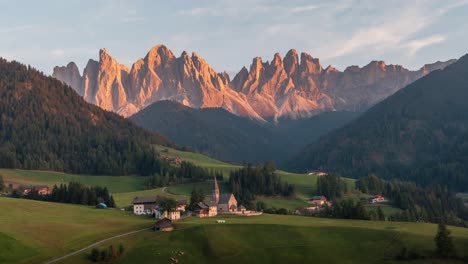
(419, 134)
(46, 125)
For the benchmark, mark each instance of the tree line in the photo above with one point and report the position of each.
(71, 193)
(428, 204)
(249, 181)
(187, 171)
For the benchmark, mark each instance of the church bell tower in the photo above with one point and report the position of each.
(216, 191)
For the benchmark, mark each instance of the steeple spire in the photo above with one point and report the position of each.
(216, 191)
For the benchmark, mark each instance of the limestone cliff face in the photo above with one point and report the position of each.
(70, 75)
(294, 86)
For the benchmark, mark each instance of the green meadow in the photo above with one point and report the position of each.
(49, 178)
(34, 231)
(281, 239)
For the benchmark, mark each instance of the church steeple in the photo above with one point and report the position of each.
(216, 191)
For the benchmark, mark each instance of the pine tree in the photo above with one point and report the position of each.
(444, 243)
(2, 183)
(380, 214)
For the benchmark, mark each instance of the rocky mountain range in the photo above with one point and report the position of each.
(293, 86)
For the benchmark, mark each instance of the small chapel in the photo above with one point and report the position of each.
(226, 202)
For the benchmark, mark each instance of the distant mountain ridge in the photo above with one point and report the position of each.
(293, 86)
(420, 134)
(225, 136)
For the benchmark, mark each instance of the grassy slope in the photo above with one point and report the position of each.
(125, 188)
(36, 231)
(113, 183)
(281, 239)
(305, 184)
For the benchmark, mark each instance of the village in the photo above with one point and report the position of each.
(213, 205)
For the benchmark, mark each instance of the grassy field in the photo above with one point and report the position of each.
(386, 208)
(281, 239)
(305, 184)
(197, 158)
(33, 231)
(125, 188)
(113, 183)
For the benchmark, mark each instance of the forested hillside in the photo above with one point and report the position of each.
(225, 136)
(418, 134)
(46, 125)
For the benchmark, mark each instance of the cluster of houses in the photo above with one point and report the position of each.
(211, 206)
(317, 173)
(41, 189)
(149, 205)
(172, 160)
(377, 199)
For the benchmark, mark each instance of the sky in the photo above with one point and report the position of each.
(229, 34)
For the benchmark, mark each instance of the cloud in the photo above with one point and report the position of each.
(200, 12)
(15, 29)
(415, 45)
(58, 53)
(302, 9)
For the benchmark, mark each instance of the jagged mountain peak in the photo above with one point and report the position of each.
(295, 85)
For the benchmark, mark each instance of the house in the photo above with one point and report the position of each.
(317, 173)
(181, 205)
(318, 200)
(41, 189)
(163, 225)
(172, 160)
(145, 205)
(377, 199)
(172, 215)
(206, 209)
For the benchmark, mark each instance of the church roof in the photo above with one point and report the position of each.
(224, 198)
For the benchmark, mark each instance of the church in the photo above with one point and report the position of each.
(226, 202)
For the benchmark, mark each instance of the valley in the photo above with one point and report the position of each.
(252, 132)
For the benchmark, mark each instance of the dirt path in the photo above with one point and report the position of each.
(93, 245)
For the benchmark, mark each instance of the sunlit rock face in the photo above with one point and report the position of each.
(294, 86)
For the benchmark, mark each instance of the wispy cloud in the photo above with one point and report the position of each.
(415, 45)
(200, 12)
(58, 53)
(15, 29)
(302, 9)
(397, 29)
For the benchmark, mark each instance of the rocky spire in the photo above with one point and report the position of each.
(295, 85)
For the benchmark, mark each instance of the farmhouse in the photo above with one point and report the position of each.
(41, 189)
(377, 199)
(175, 160)
(163, 225)
(172, 215)
(206, 209)
(145, 205)
(181, 205)
(318, 200)
(317, 173)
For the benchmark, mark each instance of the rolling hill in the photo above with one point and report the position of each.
(225, 136)
(46, 125)
(419, 134)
